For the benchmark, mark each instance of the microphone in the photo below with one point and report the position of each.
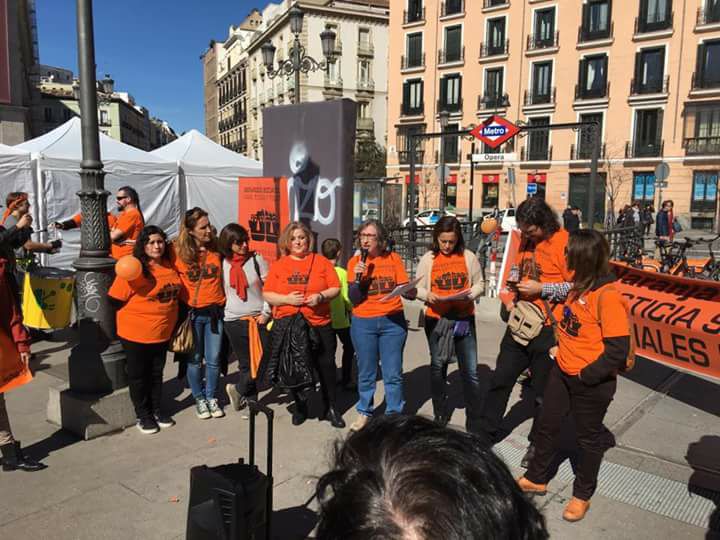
(363, 258)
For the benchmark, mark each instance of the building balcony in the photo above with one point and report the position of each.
(584, 152)
(366, 48)
(365, 124)
(449, 8)
(586, 35)
(408, 110)
(365, 85)
(658, 23)
(416, 16)
(644, 149)
(638, 88)
(534, 98)
(536, 43)
(592, 93)
(710, 14)
(106, 122)
(451, 57)
(495, 4)
(705, 81)
(488, 50)
(404, 156)
(702, 146)
(539, 153)
(412, 62)
(450, 107)
(333, 83)
(487, 102)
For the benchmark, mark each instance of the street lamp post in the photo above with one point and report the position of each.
(97, 364)
(444, 118)
(298, 62)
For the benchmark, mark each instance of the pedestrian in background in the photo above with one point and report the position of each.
(378, 328)
(303, 282)
(571, 219)
(647, 217)
(246, 312)
(14, 343)
(199, 265)
(340, 311)
(449, 269)
(130, 221)
(146, 317)
(665, 223)
(593, 346)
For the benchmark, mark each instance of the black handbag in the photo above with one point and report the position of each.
(234, 501)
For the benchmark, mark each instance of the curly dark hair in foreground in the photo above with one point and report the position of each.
(406, 477)
(535, 211)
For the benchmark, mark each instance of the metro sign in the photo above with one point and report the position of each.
(494, 131)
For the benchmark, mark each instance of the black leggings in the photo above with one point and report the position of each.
(238, 335)
(145, 364)
(348, 354)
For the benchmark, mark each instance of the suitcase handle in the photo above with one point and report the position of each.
(256, 408)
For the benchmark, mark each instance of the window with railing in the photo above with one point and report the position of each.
(415, 11)
(452, 7)
(655, 15)
(453, 51)
(544, 29)
(451, 145)
(706, 132)
(404, 142)
(494, 88)
(709, 13)
(592, 81)
(586, 136)
(450, 93)
(414, 51)
(595, 20)
(648, 134)
(541, 90)
(538, 140)
(412, 103)
(495, 3)
(707, 69)
(495, 42)
(649, 71)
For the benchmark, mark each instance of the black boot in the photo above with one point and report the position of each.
(528, 457)
(440, 411)
(334, 417)
(14, 460)
(300, 413)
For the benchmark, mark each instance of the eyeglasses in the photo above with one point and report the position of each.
(368, 236)
(121, 198)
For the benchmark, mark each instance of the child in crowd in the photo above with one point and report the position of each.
(340, 309)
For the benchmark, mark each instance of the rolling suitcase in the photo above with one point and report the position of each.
(234, 501)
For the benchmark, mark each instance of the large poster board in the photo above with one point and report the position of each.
(263, 211)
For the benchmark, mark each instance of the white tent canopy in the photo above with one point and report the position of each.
(58, 155)
(210, 173)
(16, 174)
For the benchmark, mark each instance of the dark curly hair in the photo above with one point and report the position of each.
(141, 242)
(535, 211)
(407, 474)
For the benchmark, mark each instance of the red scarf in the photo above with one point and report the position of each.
(238, 279)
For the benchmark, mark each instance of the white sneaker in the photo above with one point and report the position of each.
(202, 409)
(215, 408)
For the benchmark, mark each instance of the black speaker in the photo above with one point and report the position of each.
(233, 501)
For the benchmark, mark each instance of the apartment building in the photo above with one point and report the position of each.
(648, 71)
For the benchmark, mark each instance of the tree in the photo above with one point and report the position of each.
(616, 176)
(370, 159)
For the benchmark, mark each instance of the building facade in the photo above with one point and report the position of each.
(358, 70)
(648, 71)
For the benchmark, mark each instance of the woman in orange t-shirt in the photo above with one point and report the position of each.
(303, 282)
(145, 322)
(196, 258)
(449, 269)
(593, 345)
(378, 327)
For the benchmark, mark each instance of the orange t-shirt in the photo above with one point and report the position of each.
(288, 275)
(151, 305)
(449, 275)
(211, 290)
(383, 274)
(550, 264)
(77, 219)
(580, 334)
(130, 222)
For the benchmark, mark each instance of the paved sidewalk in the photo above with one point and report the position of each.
(662, 481)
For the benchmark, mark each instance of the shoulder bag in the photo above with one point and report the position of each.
(182, 340)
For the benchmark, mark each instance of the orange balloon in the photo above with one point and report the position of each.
(128, 267)
(488, 225)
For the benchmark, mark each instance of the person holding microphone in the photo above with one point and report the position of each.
(378, 327)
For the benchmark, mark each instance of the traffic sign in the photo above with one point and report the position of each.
(662, 171)
(532, 189)
(492, 158)
(494, 131)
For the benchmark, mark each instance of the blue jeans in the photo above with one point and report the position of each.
(466, 351)
(380, 339)
(207, 345)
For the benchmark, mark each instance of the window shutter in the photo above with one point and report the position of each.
(585, 17)
(406, 96)
(658, 135)
(582, 74)
(699, 63)
(638, 69)
(458, 98)
(662, 66)
(422, 94)
(443, 91)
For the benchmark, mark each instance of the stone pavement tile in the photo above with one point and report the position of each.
(108, 512)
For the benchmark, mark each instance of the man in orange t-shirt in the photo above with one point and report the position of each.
(542, 261)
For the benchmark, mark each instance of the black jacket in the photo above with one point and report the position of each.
(293, 342)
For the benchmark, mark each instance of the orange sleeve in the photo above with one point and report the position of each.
(401, 276)
(77, 219)
(120, 290)
(112, 220)
(613, 314)
(127, 222)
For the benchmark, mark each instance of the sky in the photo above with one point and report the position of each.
(151, 48)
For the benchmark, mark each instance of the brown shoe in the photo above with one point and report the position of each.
(576, 509)
(531, 488)
(359, 422)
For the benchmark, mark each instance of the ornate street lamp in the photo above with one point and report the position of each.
(444, 117)
(298, 62)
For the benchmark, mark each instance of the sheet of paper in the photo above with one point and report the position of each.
(401, 289)
(460, 295)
